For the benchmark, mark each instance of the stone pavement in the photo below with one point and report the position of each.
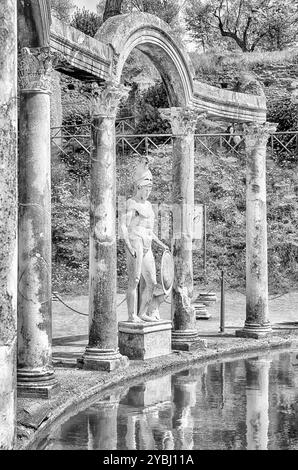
(70, 330)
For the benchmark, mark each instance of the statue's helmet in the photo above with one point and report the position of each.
(142, 175)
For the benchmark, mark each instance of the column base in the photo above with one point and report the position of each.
(145, 340)
(187, 340)
(102, 359)
(254, 330)
(201, 311)
(36, 384)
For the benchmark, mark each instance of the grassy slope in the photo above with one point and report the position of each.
(219, 183)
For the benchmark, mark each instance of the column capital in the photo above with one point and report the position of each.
(105, 99)
(35, 67)
(183, 119)
(255, 131)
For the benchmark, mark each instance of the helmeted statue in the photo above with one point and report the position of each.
(137, 225)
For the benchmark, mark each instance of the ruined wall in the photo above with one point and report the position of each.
(8, 222)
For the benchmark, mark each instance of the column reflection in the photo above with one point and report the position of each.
(257, 403)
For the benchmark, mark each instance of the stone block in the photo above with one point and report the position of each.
(145, 340)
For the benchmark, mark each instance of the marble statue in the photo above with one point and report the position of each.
(137, 225)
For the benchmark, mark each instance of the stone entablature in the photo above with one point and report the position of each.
(103, 58)
(84, 56)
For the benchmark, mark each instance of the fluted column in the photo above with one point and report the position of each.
(102, 350)
(257, 403)
(35, 372)
(257, 321)
(8, 222)
(183, 122)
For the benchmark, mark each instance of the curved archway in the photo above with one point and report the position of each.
(155, 39)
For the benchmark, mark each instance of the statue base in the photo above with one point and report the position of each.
(145, 340)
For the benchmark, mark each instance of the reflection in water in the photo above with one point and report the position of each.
(244, 404)
(257, 403)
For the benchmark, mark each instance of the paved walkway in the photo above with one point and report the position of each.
(70, 330)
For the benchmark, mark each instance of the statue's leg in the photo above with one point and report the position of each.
(134, 274)
(149, 274)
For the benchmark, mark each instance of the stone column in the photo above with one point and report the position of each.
(257, 403)
(257, 322)
(8, 222)
(102, 350)
(35, 372)
(183, 122)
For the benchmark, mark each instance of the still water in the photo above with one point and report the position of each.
(242, 404)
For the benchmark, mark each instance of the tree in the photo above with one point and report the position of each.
(112, 8)
(62, 9)
(248, 24)
(86, 21)
(167, 10)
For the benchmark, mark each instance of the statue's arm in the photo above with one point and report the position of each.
(159, 242)
(125, 222)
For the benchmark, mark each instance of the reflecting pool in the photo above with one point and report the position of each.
(241, 404)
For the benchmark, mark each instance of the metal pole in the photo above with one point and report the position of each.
(222, 304)
(205, 239)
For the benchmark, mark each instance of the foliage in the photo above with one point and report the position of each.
(62, 9)
(150, 121)
(246, 24)
(86, 21)
(167, 10)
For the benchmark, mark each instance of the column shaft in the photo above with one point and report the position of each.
(183, 122)
(102, 350)
(8, 221)
(257, 321)
(35, 371)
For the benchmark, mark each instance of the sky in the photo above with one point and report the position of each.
(88, 4)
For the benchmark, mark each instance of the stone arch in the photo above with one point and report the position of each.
(155, 39)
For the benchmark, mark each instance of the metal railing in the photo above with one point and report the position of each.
(78, 138)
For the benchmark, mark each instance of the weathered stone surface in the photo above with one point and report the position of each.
(8, 221)
(35, 372)
(183, 122)
(104, 57)
(145, 340)
(257, 321)
(102, 350)
(84, 57)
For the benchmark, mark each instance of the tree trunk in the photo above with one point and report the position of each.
(112, 8)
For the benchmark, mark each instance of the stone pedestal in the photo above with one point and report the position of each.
(257, 322)
(201, 311)
(35, 372)
(183, 122)
(204, 300)
(102, 350)
(145, 340)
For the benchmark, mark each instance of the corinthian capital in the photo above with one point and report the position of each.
(183, 120)
(105, 99)
(258, 133)
(34, 69)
